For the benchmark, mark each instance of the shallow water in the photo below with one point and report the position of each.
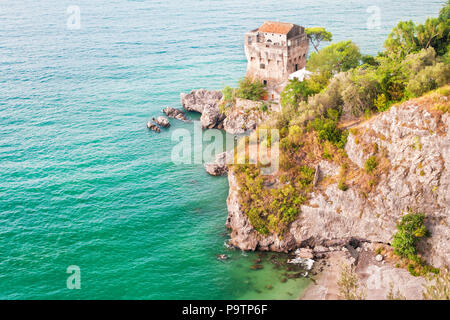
(82, 181)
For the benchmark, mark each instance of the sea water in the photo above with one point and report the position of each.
(84, 183)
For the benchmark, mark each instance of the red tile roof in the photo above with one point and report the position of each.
(276, 27)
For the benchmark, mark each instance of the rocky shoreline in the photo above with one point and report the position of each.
(378, 277)
(417, 178)
(338, 226)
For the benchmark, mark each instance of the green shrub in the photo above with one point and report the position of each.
(228, 94)
(295, 92)
(327, 130)
(410, 230)
(251, 89)
(342, 185)
(381, 103)
(371, 164)
(428, 79)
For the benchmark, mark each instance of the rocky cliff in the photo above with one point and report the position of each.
(415, 144)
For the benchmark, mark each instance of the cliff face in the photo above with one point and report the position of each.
(416, 145)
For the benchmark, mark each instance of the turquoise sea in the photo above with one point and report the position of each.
(83, 182)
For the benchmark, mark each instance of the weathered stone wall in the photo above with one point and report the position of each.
(281, 56)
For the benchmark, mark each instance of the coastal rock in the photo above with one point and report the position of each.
(153, 127)
(416, 149)
(197, 100)
(304, 253)
(219, 167)
(175, 113)
(376, 280)
(162, 122)
(307, 264)
(245, 115)
(211, 117)
(222, 257)
(207, 103)
(239, 121)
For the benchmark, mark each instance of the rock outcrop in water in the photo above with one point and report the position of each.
(153, 127)
(207, 103)
(415, 139)
(175, 113)
(162, 122)
(242, 117)
(198, 99)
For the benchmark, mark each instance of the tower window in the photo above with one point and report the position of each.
(262, 66)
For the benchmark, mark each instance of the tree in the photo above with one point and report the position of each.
(407, 37)
(295, 92)
(251, 89)
(335, 58)
(402, 40)
(318, 34)
(430, 33)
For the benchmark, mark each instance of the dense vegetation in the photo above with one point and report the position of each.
(410, 230)
(344, 86)
(248, 89)
(415, 60)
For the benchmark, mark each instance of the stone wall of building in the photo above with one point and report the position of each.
(273, 57)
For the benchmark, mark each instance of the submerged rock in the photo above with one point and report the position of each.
(307, 264)
(162, 122)
(257, 267)
(153, 127)
(175, 113)
(222, 257)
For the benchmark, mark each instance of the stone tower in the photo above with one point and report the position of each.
(274, 51)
